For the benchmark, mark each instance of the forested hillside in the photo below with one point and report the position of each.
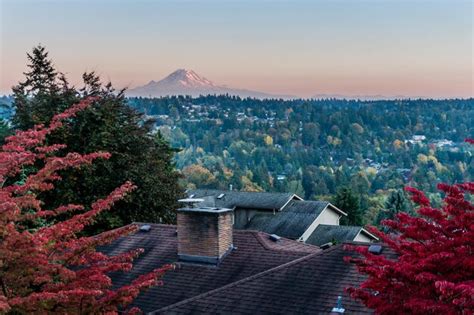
(316, 147)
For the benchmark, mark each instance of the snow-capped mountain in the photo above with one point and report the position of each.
(188, 82)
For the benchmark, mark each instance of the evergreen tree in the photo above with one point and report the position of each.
(41, 95)
(349, 202)
(108, 125)
(4, 131)
(396, 202)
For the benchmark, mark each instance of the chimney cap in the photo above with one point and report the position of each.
(206, 209)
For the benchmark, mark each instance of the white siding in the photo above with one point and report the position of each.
(362, 237)
(327, 216)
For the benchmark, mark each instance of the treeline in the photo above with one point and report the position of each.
(317, 147)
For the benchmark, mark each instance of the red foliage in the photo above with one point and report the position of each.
(50, 269)
(434, 269)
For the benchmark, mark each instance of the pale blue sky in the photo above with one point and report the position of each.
(349, 47)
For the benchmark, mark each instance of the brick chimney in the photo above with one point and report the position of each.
(204, 234)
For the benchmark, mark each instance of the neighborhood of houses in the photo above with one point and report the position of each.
(249, 253)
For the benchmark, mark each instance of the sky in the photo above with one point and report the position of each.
(304, 48)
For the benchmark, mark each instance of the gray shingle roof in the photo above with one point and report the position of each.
(242, 199)
(254, 253)
(329, 233)
(292, 222)
(309, 285)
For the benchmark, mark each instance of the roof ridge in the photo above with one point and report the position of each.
(238, 191)
(343, 226)
(152, 223)
(250, 278)
(259, 238)
(308, 201)
(258, 235)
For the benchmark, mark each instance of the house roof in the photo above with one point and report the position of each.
(308, 285)
(339, 233)
(254, 253)
(292, 222)
(242, 199)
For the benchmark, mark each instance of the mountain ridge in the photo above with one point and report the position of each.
(187, 82)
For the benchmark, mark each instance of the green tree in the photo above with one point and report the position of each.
(44, 93)
(5, 131)
(310, 134)
(108, 125)
(396, 202)
(349, 202)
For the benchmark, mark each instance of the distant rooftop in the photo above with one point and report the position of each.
(241, 199)
(335, 233)
(292, 222)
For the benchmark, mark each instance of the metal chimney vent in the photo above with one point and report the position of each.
(275, 237)
(145, 228)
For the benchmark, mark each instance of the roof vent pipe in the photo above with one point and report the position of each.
(338, 309)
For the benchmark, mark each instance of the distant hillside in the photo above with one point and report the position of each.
(314, 147)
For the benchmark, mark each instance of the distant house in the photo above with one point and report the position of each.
(443, 143)
(416, 139)
(221, 270)
(282, 214)
(281, 177)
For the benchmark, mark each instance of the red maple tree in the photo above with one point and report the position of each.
(49, 268)
(434, 269)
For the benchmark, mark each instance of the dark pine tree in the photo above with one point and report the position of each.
(396, 202)
(349, 202)
(42, 94)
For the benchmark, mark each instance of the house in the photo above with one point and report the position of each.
(325, 233)
(245, 204)
(283, 214)
(298, 220)
(416, 140)
(222, 270)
